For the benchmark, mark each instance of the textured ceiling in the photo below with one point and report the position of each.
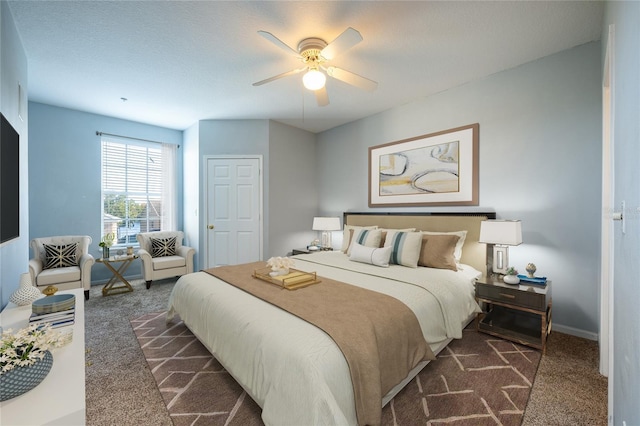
(178, 62)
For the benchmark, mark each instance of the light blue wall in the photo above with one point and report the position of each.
(64, 173)
(540, 162)
(232, 137)
(625, 380)
(294, 194)
(14, 254)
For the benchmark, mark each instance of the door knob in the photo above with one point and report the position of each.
(210, 226)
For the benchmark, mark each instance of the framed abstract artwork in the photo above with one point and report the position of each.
(438, 169)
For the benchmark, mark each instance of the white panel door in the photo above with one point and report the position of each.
(234, 210)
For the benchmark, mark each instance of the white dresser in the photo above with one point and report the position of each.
(59, 399)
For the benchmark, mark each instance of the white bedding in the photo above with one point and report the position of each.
(292, 369)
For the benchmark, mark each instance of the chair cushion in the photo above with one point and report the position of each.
(167, 262)
(60, 256)
(161, 247)
(58, 275)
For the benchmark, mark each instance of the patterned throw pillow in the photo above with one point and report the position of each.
(163, 247)
(347, 235)
(365, 237)
(60, 256)
(405, 247)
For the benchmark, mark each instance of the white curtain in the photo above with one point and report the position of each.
(169, 202)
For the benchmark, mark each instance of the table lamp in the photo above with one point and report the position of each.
(326, 225)
(502, 234)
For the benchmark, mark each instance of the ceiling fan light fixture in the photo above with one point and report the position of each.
(314, 80)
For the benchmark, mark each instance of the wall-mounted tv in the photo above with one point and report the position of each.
(9, 181)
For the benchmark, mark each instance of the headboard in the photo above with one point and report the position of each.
(473, 252)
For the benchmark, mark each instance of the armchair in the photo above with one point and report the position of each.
(162, 259)
(65, 262)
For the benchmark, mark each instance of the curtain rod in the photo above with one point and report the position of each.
(99, 133)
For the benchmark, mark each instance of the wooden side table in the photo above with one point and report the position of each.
(307, 251)
(520, 313)
(117, 277)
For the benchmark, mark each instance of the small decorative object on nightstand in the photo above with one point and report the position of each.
(518, 313)
(512, 276)
(531, 270)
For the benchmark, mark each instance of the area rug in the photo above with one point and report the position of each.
(477, 380)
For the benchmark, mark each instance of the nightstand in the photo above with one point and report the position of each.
(520, 313)
(306, 251)
(300, 251)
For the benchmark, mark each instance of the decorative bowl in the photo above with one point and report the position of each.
(55, 303)
(15, 382)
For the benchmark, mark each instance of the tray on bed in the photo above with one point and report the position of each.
(295, 279)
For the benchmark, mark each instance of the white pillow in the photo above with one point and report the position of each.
(366, 237)
(346, 235)
(405, 247)
(373, 255)
(457, 253)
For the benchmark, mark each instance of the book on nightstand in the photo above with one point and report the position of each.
(541, 281)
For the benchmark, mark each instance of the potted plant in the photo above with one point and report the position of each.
(511, 276)
(105, 243)
(25, 359)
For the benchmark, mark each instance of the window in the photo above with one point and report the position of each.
(138, 181)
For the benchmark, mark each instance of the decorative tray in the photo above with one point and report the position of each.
(55, 303)
(294, 280)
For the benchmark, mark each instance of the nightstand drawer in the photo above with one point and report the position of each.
(512, 296)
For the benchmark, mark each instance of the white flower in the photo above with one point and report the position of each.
(26, 346)
(278, 263)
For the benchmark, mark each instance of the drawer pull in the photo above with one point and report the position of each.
(508, 296)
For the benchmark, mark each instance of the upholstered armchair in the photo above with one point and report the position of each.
(163, 255)
(63, 262)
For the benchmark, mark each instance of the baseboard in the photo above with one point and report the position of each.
(574, 331)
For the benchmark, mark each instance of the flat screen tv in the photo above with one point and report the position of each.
(9, 182)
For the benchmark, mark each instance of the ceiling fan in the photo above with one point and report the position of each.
(314, 54)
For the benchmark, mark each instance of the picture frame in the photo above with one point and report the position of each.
(437, 169)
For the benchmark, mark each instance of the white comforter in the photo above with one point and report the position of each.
(292, 369)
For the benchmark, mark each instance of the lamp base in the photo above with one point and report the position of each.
(326, 240)
(500, 259)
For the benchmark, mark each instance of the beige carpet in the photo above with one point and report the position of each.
(478, 380)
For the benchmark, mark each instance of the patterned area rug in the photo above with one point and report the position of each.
(477, 380)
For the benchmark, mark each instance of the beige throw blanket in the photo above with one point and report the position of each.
(379, 336)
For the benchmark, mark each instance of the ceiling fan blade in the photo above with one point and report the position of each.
(275, 40)
(352, 78)
(321, 96)
(342, 43)
(275, 77)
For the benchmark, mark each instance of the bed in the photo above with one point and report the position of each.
(294, 370)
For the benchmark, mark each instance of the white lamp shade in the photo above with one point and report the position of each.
(502, 232)
(314, 80)
(326, 224)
